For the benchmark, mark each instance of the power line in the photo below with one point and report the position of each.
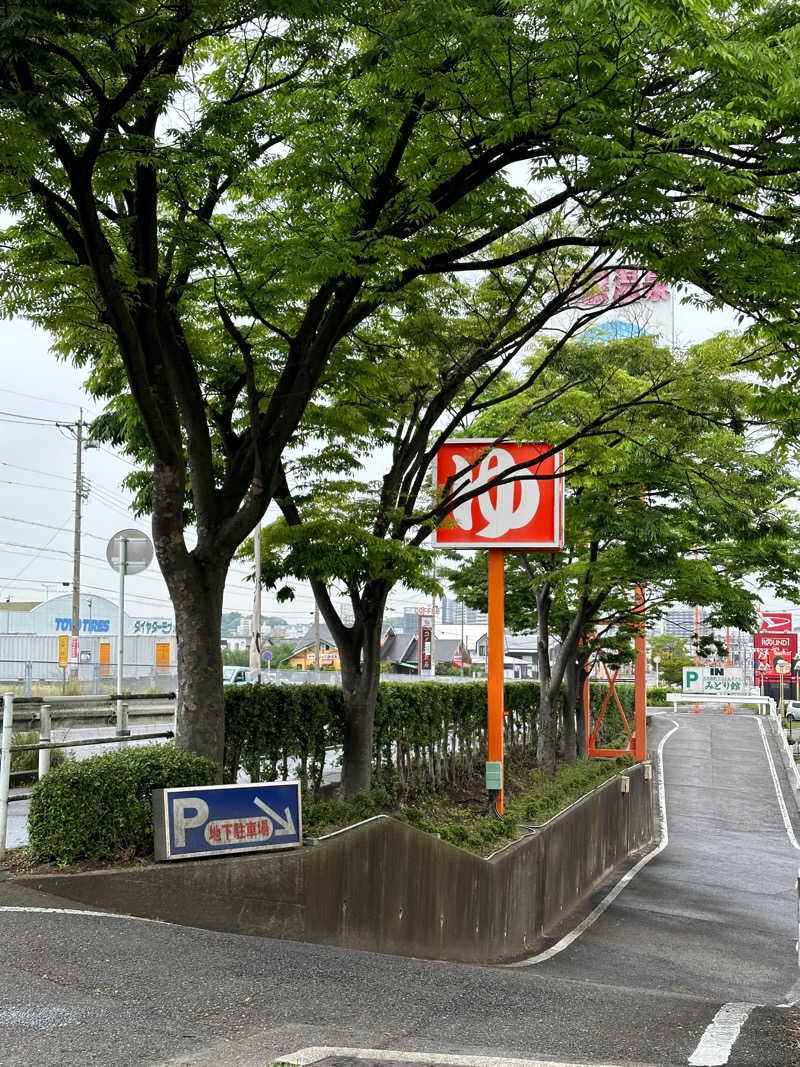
(48, 526)
(116, 455)
(44, 399)
(35, 420)
(54, 551)
(30, 470)
(29, 485)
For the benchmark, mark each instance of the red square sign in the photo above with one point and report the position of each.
(776, 622)
(521, 506)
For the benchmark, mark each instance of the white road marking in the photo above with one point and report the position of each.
(78, 911)
(611, 896)
(315, 1054)
(720, 1036)
(778, 791)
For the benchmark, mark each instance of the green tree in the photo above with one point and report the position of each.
(667, 646)
(673, 499)
(672, 668)
(208, 199)
(455, 347)
(230, 623)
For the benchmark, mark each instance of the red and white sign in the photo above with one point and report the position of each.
(521, 504)
(776, 622)
(628, 285)
(73, 648)
(782, 644)
(770, 651)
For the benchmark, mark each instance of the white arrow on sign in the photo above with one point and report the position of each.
(284, 827)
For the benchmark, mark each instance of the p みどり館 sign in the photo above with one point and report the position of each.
(214, 820)
(504, 496)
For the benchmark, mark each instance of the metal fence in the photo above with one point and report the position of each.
(45, 745)
(43, 678)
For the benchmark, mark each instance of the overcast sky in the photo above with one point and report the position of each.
(37, 477)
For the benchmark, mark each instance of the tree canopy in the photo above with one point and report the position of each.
(208, 199)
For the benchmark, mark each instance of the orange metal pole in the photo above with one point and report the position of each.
(587, 700)
(728, 708)
(696, 646)
(640, 683)
(495, 664)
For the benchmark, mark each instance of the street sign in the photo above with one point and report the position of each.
(712, 680)
(138, 551)
(217, 820)
(266, 655)
(518, 499)
(63, 650)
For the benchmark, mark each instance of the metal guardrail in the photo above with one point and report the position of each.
(45, 746)
(713, 698)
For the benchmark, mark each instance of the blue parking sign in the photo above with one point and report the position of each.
(215, 820)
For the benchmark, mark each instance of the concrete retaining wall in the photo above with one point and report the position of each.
(385, 886)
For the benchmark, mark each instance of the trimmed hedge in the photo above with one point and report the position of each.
(29, 761)
(101, 808)
(657, 696)
(427, 734)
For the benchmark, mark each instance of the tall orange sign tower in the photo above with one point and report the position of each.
(507, 497)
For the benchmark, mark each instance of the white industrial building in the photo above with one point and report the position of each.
(32, 647)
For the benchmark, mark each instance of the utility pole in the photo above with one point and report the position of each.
(316, 643)
(462, 639)
(255, 641)
(77, 429)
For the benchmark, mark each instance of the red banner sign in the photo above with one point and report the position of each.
(776, 622)
(771, 650)
(785, 644)
(521, 499)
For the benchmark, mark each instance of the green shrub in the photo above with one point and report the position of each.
(29, 761)
(100, 808)
(657, 696)
(570, 783)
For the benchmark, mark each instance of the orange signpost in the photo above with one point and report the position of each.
(495, 668)
(640, 683)
(507, 496)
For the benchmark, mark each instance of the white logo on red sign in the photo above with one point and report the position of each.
(504, 510)
(775, 622)
(516, 501)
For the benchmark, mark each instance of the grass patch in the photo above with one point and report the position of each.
(531, 798)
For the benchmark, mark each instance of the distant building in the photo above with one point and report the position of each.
(453, 610)
(304, 653)
(680, 623)
(35, 644)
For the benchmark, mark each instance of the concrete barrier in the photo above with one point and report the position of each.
(384, 886)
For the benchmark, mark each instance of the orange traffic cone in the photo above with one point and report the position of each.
(728, 709)
(696, 708)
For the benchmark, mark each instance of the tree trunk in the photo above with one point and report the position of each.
(580, 711)
(359, 719)
(548, 715)
(195, 581)
(197, 597)
(359, 648)
(569, 733)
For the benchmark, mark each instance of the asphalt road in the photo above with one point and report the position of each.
(688, 965)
